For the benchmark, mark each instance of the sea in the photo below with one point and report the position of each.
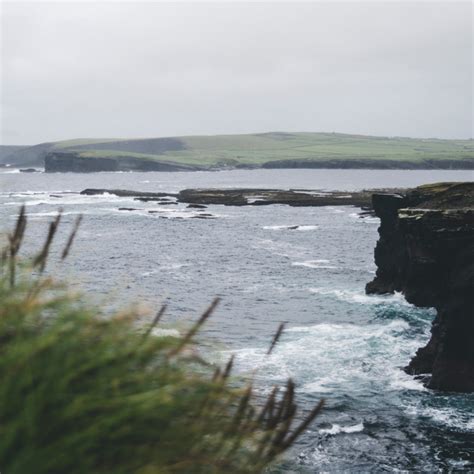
(306, 267)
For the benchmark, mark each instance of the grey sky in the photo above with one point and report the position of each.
(101, 69)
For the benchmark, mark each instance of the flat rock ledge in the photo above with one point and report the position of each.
(426, 251)
(254, 197)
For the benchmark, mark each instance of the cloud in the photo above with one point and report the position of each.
(100, 69)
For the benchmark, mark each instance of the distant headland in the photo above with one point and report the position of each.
(249, 151)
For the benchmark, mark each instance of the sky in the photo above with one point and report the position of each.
(153, 69)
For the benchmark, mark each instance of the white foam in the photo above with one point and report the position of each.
(337, 429)
(55, 213)
(400, 380)
(330, 357)
(463, 421)
(46, 199)
(360, 297)
(317, 386)
(367, 220)
(160, 332)
(168, 267)
(314, 264)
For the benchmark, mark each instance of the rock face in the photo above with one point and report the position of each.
(426, 251)
(60, 162)
(373, 164)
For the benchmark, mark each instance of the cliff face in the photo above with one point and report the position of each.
(426, 251)
(375, 164)
(60, 162)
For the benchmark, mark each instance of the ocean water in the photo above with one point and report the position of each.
(339, 344)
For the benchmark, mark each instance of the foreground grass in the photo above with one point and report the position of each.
(85, 393)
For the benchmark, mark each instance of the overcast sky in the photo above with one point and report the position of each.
(103, 69)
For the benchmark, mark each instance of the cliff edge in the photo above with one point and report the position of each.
(426, 251)
(62, 162)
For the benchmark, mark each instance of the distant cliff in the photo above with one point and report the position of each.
(372, 164)
(257, 150)
(60, 162)
(426, 251)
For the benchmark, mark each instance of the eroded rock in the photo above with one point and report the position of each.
(426, 251)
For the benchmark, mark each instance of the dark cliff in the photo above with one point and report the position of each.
(426, 251)
(55, 162)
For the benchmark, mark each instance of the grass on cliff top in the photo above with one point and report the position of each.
(85, 392)
(256, 149)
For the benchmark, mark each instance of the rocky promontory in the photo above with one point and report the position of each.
(254, 197)
(72, 162)
(426, 251)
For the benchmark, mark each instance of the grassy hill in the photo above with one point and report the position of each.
(275, 149)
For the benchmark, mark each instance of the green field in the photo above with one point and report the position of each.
(257, 149)
(266, 148)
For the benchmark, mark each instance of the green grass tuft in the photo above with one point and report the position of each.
(84, 392)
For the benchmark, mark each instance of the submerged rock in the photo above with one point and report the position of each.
(426, 251)
(203, 216)
(152, 199)
(124, 193)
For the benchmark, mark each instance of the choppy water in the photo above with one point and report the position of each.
(340, 344)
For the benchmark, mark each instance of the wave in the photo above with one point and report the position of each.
(455, 418)
(400, 380)
(337, 429)
(319, 386)
(161, 332)
(34, 215)
(329, 357)
(371, 220)
(46, 199)
(314, 264)
(360, 297)
(166, 213)
(168, 267)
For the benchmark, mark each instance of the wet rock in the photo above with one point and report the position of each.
(152, 199)
(124, 193)
(203, 216)
(426, 251)
(262, 197)
(201, 198)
